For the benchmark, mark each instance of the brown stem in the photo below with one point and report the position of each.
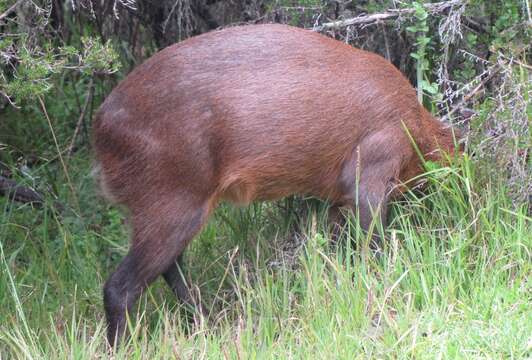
(81, 118)
(18, 192)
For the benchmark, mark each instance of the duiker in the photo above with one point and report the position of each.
(243, 114)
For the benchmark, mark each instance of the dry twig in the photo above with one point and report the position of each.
(390, 14)
(478, 89)
(18, 192)
(10, 9)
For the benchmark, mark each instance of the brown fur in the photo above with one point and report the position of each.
(250, 113)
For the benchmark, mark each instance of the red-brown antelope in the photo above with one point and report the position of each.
(243, 114)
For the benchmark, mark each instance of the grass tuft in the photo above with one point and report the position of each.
(452, 281)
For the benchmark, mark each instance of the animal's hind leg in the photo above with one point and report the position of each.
(161, 231)
(176, 281)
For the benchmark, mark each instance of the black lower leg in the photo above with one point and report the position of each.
(161, 231)
(175, 279)
(120, 294)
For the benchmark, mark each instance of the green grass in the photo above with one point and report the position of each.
(453, 282)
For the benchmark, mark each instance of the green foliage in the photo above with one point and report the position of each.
(506, 27)
(31, 79)
(506, 30)
(420, 29)
(38, 67)
(97, 57)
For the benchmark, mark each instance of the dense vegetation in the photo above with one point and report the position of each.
(454, 280)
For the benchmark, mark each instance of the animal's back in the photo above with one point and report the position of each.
(252, 112)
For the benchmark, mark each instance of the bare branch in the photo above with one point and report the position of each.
(10, 10)
(18, 192)
(390, 14)
(478, 89)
